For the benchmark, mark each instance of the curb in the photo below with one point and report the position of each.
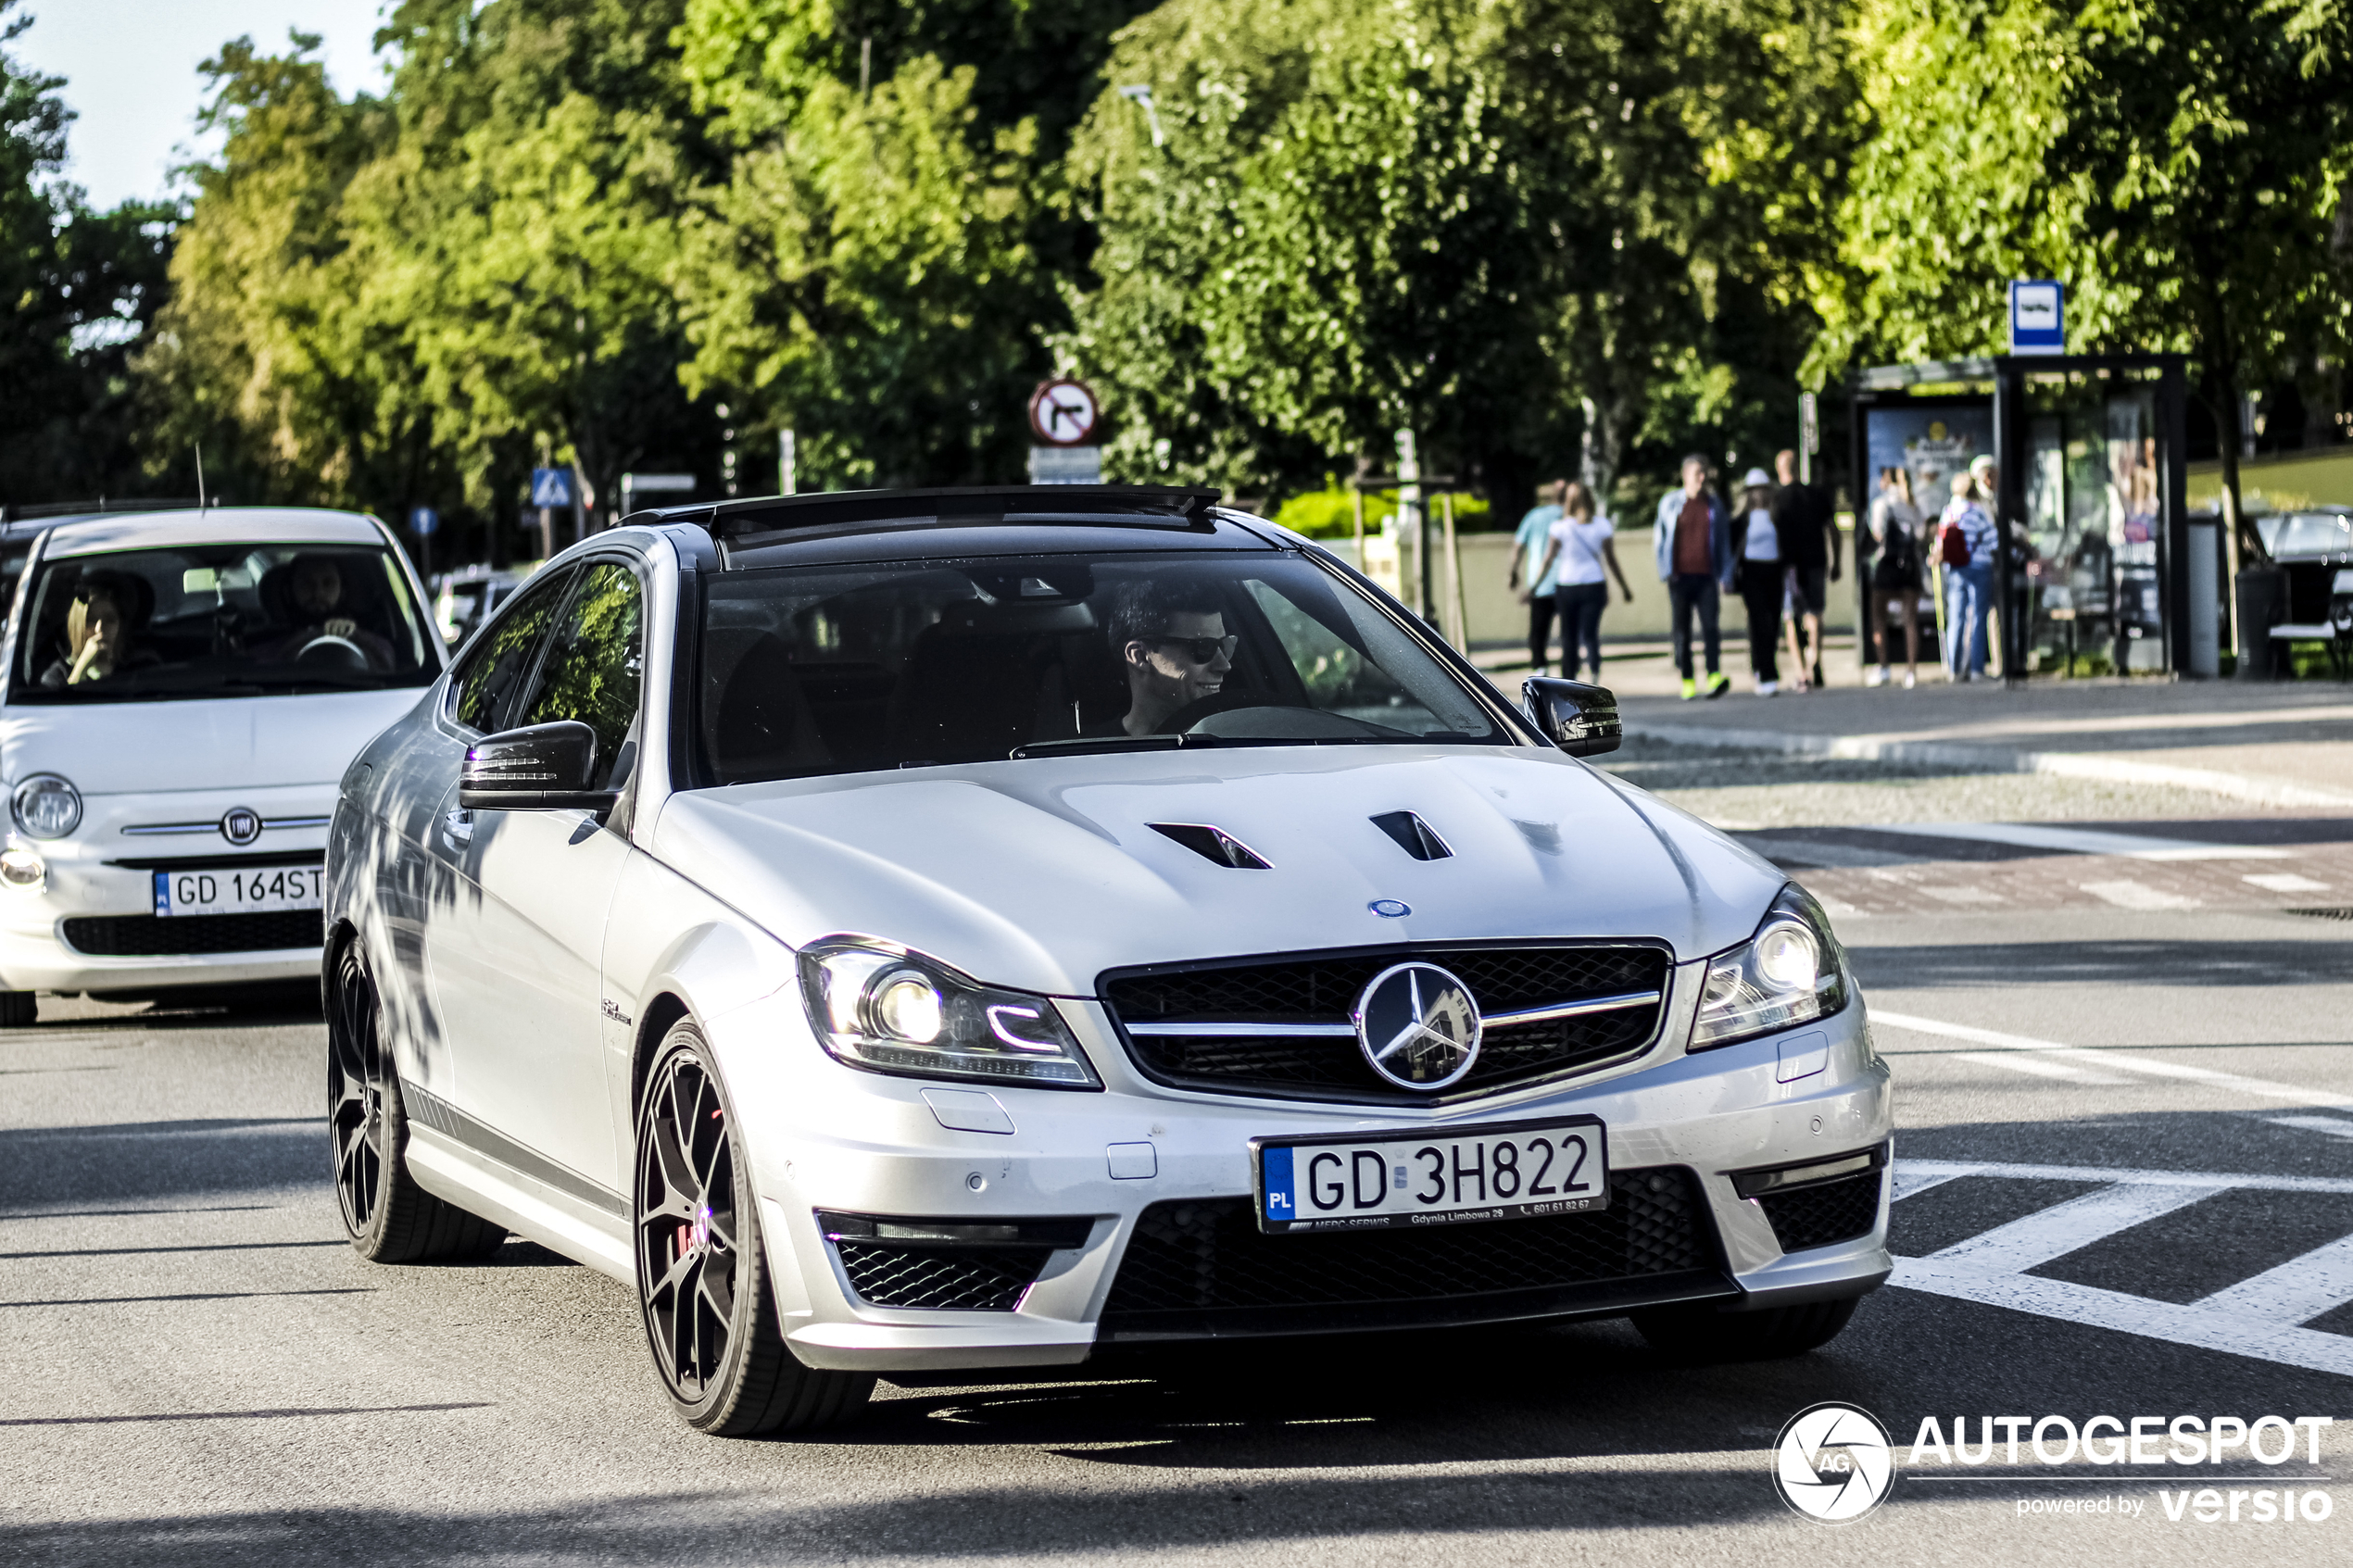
(1996, 760)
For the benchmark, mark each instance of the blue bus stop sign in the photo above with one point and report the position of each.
(551, 487)
(2038, 316)
(422, 522)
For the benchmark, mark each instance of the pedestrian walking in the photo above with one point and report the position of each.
(1810, 560)
(1534, 543)
(1895, 583)
(1757, 578)
(1583, 544)
(1966, 542)
(1691, 543)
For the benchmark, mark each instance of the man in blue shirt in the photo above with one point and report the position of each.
(1528, 554)
(1692, 540)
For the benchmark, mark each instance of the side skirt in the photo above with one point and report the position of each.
(457, 1158)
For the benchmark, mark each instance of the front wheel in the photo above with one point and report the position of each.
(702, 1274)
(389, 1218)
(1698, 1333)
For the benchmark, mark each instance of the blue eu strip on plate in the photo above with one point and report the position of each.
(1277, 1163)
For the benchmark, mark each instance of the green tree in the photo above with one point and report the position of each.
(2179, 163)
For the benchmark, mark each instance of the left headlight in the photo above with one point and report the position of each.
(1790, 971)
(888, 1009)
(48, 806)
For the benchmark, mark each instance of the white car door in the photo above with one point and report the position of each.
(515, 957)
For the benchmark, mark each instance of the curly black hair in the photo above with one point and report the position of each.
(1141, 608)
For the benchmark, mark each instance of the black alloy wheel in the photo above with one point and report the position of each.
(389, 1218)
(702, 1271)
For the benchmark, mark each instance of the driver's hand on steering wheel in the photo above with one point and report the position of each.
(340, 626)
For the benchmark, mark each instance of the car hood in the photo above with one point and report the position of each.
(233, 742)
(1040, 875)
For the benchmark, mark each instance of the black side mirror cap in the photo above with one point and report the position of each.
(1580, 719)
(540, 767)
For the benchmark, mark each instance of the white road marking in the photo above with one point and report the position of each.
(2263, 1089)
(2297, 1291)
(2023, 1061)
(2067, 1228)
(2193, 1326)
(2089, 841)
(2336, 1126)
(2286, 882)
(1910, 1179)
(2126, 893)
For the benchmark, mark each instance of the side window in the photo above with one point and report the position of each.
(595, 664)
(489, 679)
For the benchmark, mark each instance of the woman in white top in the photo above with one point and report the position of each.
(1582, 544)
(1757, 576)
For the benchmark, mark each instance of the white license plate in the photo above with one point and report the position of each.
(239, 892)
(1502, 1171)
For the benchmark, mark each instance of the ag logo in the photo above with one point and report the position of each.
(1833, 1464)
(1418, 1026)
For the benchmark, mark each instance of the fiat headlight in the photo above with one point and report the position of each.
(48, 806)
(890, 1011)
(1790, 971)
(22, 868)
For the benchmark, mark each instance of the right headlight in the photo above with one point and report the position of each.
(1790, 971)
(888, 1009)
(48, 806)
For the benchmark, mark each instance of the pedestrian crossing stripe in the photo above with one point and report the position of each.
(2259, 1317)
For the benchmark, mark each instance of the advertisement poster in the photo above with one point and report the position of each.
(1934, 444)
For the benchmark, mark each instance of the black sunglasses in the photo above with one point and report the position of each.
(1203, 650)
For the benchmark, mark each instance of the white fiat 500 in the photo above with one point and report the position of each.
(898, 932)
(183, 690)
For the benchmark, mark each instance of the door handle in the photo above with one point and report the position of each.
(457, 827)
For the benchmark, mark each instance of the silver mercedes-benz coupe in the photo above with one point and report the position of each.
(907, 931)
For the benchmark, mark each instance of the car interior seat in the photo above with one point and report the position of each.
(762, 727)
(986, 678)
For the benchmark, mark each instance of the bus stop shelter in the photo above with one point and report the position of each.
(2105, 572)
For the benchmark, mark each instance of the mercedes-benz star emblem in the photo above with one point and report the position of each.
(241, 824)
(1418, 1025)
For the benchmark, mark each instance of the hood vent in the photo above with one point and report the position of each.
(1413, 835)
(1213, 844)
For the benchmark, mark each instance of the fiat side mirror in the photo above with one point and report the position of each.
(542, 767)
(1580, 719)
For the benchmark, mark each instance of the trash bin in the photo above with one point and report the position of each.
(2262, 601)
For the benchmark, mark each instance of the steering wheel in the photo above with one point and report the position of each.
(329, 651)
(1193, 712)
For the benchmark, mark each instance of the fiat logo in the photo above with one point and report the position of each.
(1418, 1026)
(241, 824)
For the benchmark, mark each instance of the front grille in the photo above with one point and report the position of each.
(152, 936)
(1202, 1267)
(1824, 1215)
(1324, 988)
(972, 1279)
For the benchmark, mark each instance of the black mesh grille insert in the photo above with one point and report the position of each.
(1820, 1216)
(147, 936)
(1322, 988)
(972, 1279)
(1202, 1265)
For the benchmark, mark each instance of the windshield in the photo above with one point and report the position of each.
(218, 620)
(836, 669)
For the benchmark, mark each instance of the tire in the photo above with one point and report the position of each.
(1698, 1335)
(703, 1289)
(18, 1009)
(388, 1217)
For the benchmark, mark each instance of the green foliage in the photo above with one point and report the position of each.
(77, 287)
(1331, 513)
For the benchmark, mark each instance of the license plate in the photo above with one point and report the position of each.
(239, 892)
(1502, 1171)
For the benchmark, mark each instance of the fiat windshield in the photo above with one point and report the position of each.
(218, 620)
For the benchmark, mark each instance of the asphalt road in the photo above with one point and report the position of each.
(2128, 1164)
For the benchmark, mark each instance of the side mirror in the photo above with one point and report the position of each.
(543, 768)
(1580, 719)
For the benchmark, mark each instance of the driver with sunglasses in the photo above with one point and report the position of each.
(1171, 639)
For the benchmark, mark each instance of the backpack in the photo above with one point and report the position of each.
(1953, 545)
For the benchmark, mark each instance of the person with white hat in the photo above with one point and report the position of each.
(1758, 577)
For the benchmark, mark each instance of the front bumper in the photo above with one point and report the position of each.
(87, 879)
(822, 1138)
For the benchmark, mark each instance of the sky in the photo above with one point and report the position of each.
(130, 73)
